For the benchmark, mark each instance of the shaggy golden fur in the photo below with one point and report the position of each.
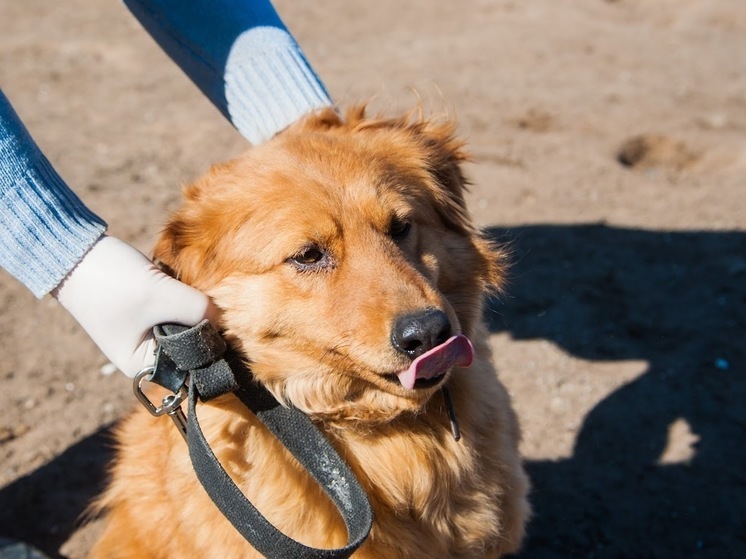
(312, 245)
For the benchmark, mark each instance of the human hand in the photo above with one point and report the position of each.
(118, 295)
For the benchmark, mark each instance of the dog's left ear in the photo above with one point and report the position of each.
(446, 155)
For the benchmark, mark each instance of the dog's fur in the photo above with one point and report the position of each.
(294, 242)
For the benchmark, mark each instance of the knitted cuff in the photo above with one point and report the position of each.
(269, 83)
(45, 230)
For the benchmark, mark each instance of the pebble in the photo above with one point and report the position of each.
(108, 369)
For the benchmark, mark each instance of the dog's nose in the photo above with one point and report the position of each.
(416, 333)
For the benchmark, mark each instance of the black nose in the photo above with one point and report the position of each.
(416, 333)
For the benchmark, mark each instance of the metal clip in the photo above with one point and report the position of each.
(170, 405)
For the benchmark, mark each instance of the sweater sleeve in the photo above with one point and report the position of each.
(242, 57)
(44, 227)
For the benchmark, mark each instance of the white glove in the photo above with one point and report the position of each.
(118, 296)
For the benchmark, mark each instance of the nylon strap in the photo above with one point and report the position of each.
(195, 351)
(208, 367)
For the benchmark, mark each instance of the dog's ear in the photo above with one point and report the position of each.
(443, 155)
(169, 252)
(446, 156)
(166, 253)
(185, 243)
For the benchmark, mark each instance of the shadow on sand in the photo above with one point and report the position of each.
(44, 507)
(676, 300)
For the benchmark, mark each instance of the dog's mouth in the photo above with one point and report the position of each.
(430, 368)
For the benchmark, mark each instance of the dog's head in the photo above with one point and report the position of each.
(343, 260)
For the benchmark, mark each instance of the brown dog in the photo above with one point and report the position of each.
(348, 272)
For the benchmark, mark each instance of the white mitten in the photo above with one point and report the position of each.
(118, 296)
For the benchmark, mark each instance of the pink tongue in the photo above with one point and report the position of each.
(454, 352)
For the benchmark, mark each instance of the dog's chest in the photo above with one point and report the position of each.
(429, 494)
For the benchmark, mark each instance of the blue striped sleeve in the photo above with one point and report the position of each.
(44, 227)
(242, 57)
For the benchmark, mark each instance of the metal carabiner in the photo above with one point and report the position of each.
(170, 404)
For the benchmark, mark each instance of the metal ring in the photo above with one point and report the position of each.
(169, 403)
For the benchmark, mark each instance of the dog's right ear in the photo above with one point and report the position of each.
(165, 253)
(188, 238)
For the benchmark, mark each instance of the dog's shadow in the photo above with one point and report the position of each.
(678, 301)
(675, 300)
(44, 507)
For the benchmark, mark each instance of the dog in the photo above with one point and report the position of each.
(344, 264)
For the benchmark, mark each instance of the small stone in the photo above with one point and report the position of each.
(108, 369)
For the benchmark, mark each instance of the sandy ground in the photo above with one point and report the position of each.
(610, 150)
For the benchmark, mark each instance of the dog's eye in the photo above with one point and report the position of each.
(308, 257)
(399, 228)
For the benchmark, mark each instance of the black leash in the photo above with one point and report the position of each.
(193, 364)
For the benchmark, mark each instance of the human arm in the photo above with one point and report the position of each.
(44, 227)
(51, 242)
(236, 51)
(242, 57)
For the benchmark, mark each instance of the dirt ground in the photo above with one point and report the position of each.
(610, 150)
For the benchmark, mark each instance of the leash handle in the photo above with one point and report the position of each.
(196, 348)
